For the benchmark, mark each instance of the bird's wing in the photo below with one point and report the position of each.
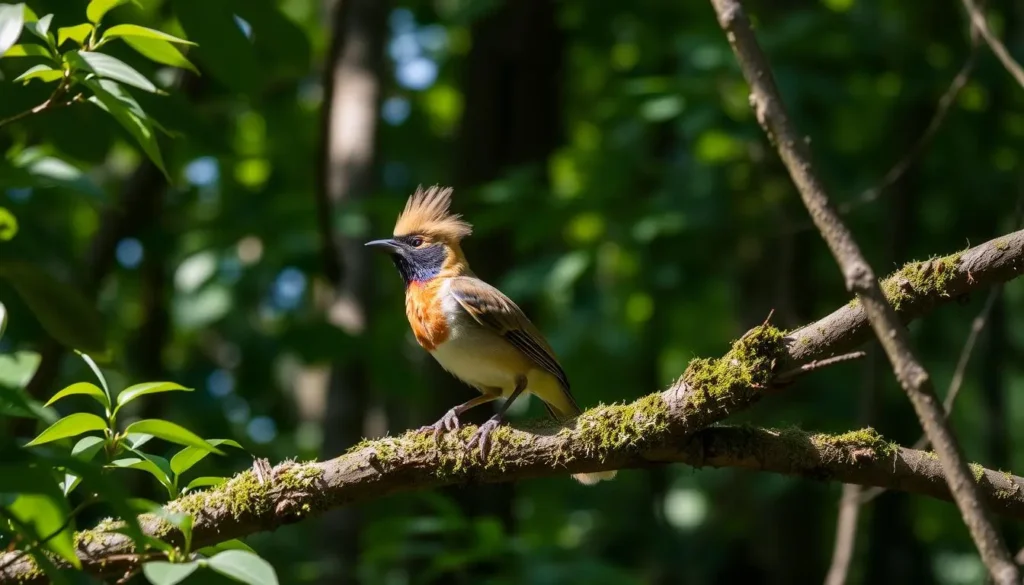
(495, 311)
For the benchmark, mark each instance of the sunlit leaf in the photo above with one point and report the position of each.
(97, 8)
(164, 573)
(161, 52)
(61, 309)
(42, 72)
(186, 458)
(109, 67)
(139, 126)
(133, 392)
(41, 28)
(144, 464)
(233, 544)
(69, 426)
(96, 371)
(243, 566)
(131, 30)
(12, 19)
(49, 517)
(136, 440)
(80, 388)
(3, 320)
(77, 33)
(85, 449)
(8, 227)
(27, 50)
(16, 369)
(204, 481)
(169, 431)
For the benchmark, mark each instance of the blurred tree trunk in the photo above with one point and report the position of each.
(512, 118)
(351, 81)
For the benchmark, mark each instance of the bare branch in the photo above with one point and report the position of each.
(981, 24)
(817, 365)
(846, 534)
(860, 279)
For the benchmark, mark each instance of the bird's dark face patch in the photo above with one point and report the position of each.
(418, 260)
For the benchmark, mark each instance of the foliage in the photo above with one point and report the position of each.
(165, 223)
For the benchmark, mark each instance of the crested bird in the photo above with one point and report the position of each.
(471, 328)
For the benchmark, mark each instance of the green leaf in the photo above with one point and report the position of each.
(205, 481)
(61, 309)
(95, 370)
(109, 67)
(133, 392)
(41, 28)
(184, 460)
(243, 566)
(169, 431)
(131, 30)
(81, 388)
(164, 573)
(18, 368)
(12, 20)
(47, 516)
(44, 72)
(69, 426)
(136, 440)
(160, 52)
(97, 8)
(85, 449)
(131, 118)
(8, 228)
(77, 33)
(29, 50)
(146, 464)
(233, 544)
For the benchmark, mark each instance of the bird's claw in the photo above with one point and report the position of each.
(482, 436)
(448, 422)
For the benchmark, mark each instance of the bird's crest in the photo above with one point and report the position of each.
(426, 213)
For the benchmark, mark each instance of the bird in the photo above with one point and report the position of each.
(472, 329)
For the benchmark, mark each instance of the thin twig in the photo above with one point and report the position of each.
(51, 103)
(860, 279)
(846, 534)
(817, 365)
(979, 21)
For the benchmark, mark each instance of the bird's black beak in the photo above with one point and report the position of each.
(388, 245)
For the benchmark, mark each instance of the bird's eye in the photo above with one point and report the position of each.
(416, 241)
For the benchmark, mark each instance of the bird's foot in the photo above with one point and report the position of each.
(482, 436)
(448, 422)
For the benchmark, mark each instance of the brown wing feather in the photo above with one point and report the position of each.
(492, 309)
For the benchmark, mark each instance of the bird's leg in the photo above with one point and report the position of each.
(483, 434)
(450, 420)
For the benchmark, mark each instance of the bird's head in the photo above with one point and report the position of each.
(426, 237)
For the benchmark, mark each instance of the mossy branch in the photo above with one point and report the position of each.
(662, 428)
(638, 435)
(913, 290)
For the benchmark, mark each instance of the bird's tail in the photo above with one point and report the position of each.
(561, 406)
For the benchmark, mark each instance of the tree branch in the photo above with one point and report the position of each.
(644, 435)
(860, 279)
(658, 429)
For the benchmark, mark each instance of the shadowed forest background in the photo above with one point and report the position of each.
(621, 192)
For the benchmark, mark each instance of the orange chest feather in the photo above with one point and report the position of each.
(423, 309)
